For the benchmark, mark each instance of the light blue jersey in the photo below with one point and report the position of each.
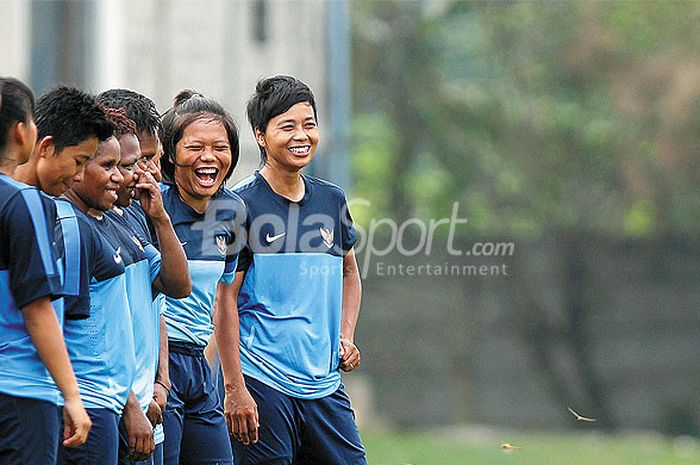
(101, 347)
(290, 302)
(145, 316)
(28, 272)
(208, 240)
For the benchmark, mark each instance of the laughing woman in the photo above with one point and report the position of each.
(200, 143)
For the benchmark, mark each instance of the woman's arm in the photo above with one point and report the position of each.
(239, 407)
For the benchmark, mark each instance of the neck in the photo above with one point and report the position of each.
(8, 168)
(75, 199)
(286, 183)
(198, 204)
(27, 173)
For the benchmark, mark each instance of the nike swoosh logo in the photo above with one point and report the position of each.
(118, 256)
(183, 243)
(271, 239)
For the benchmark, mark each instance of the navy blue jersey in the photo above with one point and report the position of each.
(290, 303)
(209, 243)
(28, 272)
(83, 250)
(137, 219)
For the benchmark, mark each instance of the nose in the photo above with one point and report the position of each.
(208, 154)
(300, 134)
(117, 176)
(80, 174)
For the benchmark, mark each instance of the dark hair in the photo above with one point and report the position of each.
(71, 116)
(122, 124)
(139, 108)
(16, 106)
(190, 106)
(274, 96)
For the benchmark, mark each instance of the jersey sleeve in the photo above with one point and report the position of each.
(28, 225)
(154, 260)
(76, 237)
(238, 240)
(347, 228)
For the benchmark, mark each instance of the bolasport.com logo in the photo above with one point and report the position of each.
(429, 238)
(384, 246)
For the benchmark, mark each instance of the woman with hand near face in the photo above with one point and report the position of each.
(200, 143)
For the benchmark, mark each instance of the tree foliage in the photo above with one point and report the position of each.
(533, 115)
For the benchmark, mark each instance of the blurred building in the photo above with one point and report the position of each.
(218, 47)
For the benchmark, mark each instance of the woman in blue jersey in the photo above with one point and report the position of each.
(101, 347)
(32, 349)
(298, 297)
(200, 143)
(154, 272)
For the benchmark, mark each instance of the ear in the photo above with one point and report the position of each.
(18, 132)
(260, 137)
(45, 147)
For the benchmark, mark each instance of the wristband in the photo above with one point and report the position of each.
(167, 388)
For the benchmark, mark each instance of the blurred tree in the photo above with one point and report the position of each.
(570, 115)
(557, 118)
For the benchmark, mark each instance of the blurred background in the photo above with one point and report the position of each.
(564, 134)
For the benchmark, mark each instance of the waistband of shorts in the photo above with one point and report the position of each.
(185, 348)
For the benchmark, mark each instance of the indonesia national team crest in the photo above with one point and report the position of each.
(221, 244)
(327, 235)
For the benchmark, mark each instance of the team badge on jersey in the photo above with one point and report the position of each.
(221, 244)
(327, 235)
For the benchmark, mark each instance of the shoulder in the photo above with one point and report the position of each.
(325, 187)
(17, 198)
(248, 186)
(228, 195)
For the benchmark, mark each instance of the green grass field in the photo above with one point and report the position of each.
(455, 448)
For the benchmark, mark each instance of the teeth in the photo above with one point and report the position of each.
(207, 170)
(299, 149)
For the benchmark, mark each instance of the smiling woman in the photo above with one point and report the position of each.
(200, 143)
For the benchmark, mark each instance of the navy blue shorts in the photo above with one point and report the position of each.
(102, 444)
(298, 431)
(193, 421)
(29, 431)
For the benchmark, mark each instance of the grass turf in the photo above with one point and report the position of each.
(462, 448)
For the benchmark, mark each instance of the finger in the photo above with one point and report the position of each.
(253, 427)
(229, 423)
(140, 446)
(78, 435)
(243, 430)
(73, 440)
(145, 186)
(132, 441)
(235, 428)
(354, 359)
(151, 445)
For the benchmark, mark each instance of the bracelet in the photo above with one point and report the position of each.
(167, 388)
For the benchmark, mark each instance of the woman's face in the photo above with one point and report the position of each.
(202, 158)
(130, 152)
(100, 184)
(290, 139)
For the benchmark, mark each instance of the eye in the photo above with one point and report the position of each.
(287, 127)
(310, 125)
(221, 148)
(194, 147)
